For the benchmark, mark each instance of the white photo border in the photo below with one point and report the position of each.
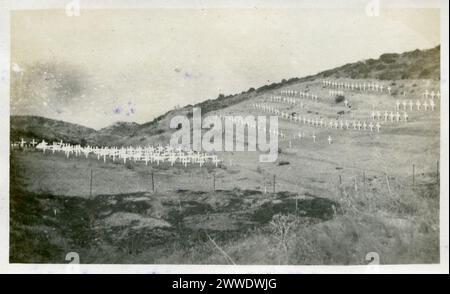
(5, 267)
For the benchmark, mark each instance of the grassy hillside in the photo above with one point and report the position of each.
(412, 65)
(114, 133)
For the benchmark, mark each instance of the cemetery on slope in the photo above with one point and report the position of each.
(148, 154)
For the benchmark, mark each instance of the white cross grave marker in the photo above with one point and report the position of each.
(22, 143)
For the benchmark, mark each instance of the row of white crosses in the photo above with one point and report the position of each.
(146, 154)
(424, 105)
(323, 123)
(240, 121)
(389, 116)
(300, 94)
(22, 143)
(357, 86)
(432, 94)
(273, 110)
(336, 93)
(313, 136)
(288, 100)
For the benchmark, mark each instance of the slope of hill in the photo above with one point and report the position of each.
(114, 133)
(120, 128)
(412, 65)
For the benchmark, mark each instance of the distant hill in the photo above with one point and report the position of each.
(120, 128)
(36, 127)
(113, 133)
(413, 65)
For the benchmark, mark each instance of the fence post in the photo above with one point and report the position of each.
(153, 183)
(413, 174)
(364, 182)
(214, 182)
(388, 184)
(340, 188)
(274, 183)
(437, 170)
(90, 186)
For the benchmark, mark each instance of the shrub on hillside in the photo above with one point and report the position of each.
(389, 57)
(425, 73)
(339, 98)
(380, 67)
(371, 61)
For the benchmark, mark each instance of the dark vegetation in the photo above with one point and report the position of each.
(417, 64)
(339, 99)
(45, 227)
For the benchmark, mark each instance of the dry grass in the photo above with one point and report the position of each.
(383, 213)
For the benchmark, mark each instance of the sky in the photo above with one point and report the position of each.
(105, 66)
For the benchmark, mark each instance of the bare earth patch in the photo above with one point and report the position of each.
(134, 220)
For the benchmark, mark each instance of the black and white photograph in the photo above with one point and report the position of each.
(260, 133)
